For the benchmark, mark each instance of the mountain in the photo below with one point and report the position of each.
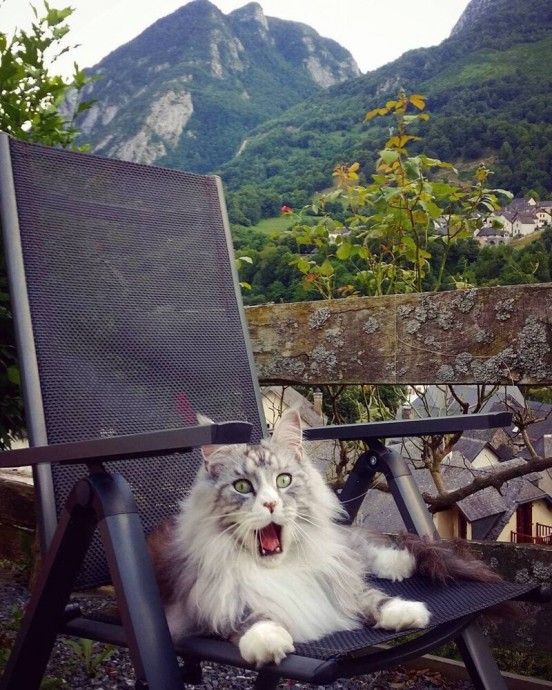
(488, 93)
(185, 92)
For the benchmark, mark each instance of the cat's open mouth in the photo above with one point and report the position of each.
(269, 539)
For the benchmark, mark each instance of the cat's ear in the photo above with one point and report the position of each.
(211, 462)
(287, 433)
(213, 459)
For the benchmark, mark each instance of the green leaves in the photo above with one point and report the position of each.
(397, 221)
(30, 95)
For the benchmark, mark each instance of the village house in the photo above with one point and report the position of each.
(544, 213)
(520, 511)
(519, 218)
(490, 236)
(524, 224)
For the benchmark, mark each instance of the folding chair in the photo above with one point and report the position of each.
(129, 321)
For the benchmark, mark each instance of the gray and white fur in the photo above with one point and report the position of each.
(257, 554)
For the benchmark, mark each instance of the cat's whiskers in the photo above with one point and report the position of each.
(311, 520)
(308, 538)
(229, 531)
(294, 530)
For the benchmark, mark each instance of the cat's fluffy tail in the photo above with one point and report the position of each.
(446, 560)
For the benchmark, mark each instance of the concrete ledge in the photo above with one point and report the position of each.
(455, 670)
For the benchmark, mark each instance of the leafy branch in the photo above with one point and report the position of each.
(392, 222)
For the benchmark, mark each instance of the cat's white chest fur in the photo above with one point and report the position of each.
(302, 600)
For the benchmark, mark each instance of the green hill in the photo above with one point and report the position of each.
(487, 90)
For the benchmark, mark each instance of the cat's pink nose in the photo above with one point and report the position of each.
(270, 505)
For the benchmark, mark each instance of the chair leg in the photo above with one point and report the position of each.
(266, 681)
(44, 613)
(472, 644)
(479, 661)
(149, 642)
(104, 501)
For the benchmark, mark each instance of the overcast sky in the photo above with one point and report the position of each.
(374, 31)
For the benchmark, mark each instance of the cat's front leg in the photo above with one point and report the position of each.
(393, 613)
(265, 642)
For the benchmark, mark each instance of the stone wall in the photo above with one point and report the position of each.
(521, 563)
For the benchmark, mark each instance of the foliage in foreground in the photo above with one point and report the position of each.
(393, 226)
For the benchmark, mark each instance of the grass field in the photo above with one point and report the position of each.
(269, 225)
(528, 239)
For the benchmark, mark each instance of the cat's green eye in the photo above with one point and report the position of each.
(243, 486)
(283, 480)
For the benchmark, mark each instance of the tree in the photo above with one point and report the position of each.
(32, 98)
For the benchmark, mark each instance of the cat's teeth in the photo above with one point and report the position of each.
(264, 552)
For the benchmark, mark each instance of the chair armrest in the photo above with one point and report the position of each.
(130, 446)
(409, 427)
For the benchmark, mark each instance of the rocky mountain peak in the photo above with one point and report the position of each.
(471, 15)
(186, 91)
(251, 12)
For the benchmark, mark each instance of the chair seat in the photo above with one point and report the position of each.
(345, 654)
(447, 603)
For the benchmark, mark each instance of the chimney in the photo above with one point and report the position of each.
(547, 450)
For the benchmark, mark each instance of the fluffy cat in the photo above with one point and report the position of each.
(258, 556)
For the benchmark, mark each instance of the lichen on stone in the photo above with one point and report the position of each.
(492, 369)
(335, 337)
(413, 326)
(462, 362)
(430, 341)
(404, 310)
(371, 325)
(421, 313)
(534, 349)
(465, 300)
(504, 309)
(445, 320)
(322, 359)
(445, 373)
(484, 336)
(318, 318)
(290, 365)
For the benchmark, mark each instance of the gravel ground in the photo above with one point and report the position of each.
(75, 667)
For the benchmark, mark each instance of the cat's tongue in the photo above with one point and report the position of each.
(269, 540)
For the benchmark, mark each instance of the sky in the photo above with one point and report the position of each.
(374, 31)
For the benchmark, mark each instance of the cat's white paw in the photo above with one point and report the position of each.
(400, 614)
(393, 564)
(265, 642)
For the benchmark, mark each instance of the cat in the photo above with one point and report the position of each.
(259, 554)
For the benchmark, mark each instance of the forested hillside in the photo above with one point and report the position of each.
(487, 89)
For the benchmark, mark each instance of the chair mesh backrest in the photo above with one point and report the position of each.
(135, 310)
